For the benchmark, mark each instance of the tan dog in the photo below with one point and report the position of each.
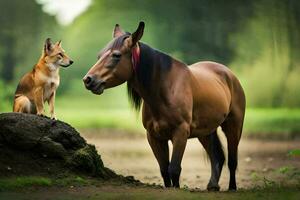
(39, 85)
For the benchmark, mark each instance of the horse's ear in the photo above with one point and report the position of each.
(137, 35)
(118, 31)
(48, 46)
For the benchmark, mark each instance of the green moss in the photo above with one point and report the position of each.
(87, 160)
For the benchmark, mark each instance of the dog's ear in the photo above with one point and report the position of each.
(58, 43)
(48, 47)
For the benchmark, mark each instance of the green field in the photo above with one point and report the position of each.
(275, 123)
(84, 110)
(112, 110)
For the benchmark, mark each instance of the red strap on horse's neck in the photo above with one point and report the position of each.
(135, 57)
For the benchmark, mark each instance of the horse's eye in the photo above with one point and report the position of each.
(116, 55)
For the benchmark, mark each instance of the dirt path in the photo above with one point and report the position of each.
(257, 159)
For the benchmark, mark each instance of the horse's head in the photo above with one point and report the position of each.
(115, 63)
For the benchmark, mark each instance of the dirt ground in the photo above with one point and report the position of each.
(260, 163)
(258, 160)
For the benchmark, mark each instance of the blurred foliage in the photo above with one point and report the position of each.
(279, 123)
(6, 98)
(258, 39)
(24, 27)
(267, 50)
(191, 31)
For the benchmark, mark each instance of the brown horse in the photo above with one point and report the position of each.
(179, 102)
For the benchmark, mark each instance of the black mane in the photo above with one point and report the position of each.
(151, 60)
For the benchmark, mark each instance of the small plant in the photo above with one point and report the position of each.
(254, 176)
(269, 183)
(294, 152)
(185, 187)
(284, 169)
(72, 181)
(80, 180)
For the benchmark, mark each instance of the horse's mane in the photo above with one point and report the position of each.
(134, 97)
(151, 60)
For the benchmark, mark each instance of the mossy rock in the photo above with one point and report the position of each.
(87, 159)
(33, 145)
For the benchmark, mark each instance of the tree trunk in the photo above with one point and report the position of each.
(8, 59)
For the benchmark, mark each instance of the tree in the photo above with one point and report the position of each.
(22, 24)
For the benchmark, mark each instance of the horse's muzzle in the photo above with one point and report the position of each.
(96, 86)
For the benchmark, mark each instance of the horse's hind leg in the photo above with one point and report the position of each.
(213, 147)
(232, 128)
(160, 149)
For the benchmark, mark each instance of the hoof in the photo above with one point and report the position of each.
(232, 189)
(215, 188)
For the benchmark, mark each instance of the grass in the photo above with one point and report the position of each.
(180, 194)
(279, 122)
(89, 111)
(102, 118)
(75, 187)
(71, 181)
(20, 182)
(259, 122)
(12, 183)
(84, 110)
(112, 110)
(126, 192)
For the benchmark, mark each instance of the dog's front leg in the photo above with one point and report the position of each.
(39, 100)
(51, 102)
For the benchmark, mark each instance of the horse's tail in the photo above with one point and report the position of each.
(216, 149)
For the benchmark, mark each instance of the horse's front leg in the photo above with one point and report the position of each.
(160, 149)
(179, 139)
